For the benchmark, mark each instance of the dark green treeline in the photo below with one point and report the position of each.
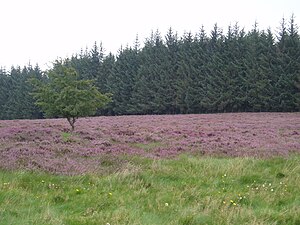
(15, 99)
(231, 71)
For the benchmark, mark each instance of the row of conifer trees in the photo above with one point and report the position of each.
(219, 71)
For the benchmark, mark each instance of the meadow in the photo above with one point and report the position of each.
(240, 168)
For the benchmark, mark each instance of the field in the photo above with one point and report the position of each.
(240, 168)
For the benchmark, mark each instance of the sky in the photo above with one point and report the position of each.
(41, 31)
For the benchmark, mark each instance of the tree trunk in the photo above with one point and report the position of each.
(72, 121)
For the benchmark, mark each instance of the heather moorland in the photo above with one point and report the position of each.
(50, 146)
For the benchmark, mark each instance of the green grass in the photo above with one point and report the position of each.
(66, 137)
(187, 190)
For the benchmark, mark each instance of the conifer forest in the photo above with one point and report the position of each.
(216, 71)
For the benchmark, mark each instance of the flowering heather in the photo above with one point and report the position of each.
(47, 145)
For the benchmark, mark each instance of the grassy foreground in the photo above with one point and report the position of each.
(187, 190)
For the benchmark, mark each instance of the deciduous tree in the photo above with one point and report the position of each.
(64, 95)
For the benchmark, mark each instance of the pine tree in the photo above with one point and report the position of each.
(288, 66)
(122, 83)
(255, 62)
(107, 84)
(4, 87)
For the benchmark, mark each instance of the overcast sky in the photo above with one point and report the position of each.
(40, 31)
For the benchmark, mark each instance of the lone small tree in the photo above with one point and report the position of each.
(64, 95)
